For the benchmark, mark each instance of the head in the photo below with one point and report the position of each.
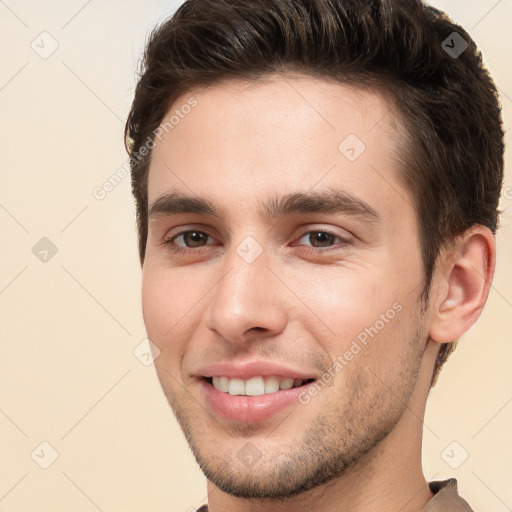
(242, 102)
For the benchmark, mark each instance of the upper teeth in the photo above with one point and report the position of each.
(255, 386)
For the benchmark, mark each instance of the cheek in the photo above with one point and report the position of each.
(347, 302)
(166, 298)
(154, 303)
(380, 362)
(164, 308)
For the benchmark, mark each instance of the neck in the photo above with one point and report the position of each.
(390, 477)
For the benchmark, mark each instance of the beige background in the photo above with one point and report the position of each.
(68, 374)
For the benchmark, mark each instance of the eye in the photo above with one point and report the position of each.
(322, 238)
(194, 241)
(192, 238)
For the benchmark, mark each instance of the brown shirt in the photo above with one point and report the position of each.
(446, 498)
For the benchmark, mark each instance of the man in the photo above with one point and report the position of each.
(317, 185)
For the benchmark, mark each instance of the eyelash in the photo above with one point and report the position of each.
(168, 243)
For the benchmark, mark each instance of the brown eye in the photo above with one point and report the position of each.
(193, 238)
(321, 238)
(190, 239)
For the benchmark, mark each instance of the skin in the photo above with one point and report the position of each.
(357, 444)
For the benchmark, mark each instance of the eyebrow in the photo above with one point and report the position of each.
(326, 201)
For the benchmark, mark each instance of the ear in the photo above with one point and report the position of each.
(462, 284)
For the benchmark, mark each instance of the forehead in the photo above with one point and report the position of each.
(242, 141)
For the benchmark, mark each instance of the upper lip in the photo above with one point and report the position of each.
(247, 369)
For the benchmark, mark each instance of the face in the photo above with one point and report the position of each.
(295, 261)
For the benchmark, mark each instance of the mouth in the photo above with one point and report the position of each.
(254, 390)
(255, 399)
(255, 386)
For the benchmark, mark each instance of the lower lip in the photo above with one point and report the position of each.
(250, 408)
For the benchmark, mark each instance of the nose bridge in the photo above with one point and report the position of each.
(242, 299)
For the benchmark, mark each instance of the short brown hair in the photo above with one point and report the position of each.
(452, 158)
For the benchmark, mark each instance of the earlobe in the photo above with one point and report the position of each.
(462, 284)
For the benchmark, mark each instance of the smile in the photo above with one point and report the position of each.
(252, 400)
(255, 386)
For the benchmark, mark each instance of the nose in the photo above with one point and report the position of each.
(248, 302)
